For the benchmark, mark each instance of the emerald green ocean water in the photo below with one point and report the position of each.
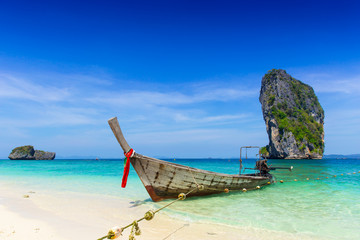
(328, 208)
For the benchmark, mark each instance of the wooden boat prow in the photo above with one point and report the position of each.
(164, 180)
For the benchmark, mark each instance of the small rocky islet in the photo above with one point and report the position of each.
(29, 153)
(293, 116)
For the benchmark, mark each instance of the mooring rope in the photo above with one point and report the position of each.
(116, 232)
(193, 177)
(320, 178)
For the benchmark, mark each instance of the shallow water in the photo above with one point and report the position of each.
(327, 208)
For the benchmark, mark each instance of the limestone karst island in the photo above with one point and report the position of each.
(29, 153)
(293, 116)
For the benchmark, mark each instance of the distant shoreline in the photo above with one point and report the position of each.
(340, 156)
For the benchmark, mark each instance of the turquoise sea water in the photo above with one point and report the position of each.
(327, 208)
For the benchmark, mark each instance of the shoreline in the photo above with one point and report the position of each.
(67, 216)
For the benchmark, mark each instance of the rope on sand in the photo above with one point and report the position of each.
(116, 232)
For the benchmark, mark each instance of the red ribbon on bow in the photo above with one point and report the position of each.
(126, 168)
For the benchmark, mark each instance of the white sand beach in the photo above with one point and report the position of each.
(67, 216)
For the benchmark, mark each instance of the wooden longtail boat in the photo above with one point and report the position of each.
(164, 180)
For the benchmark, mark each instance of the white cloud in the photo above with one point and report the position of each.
(139, 98)
(209, 119)
(331, 81)
(87, 103)
(215, 92)
(60, 115)
(16, 88)
(346, 86)
(148, 98)
(50, 116)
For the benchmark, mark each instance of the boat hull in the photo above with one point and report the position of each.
(164, 180)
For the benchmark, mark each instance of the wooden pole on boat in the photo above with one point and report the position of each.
(246, 148)
(240, 161)
(115, 127)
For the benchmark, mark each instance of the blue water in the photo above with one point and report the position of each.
(326, 208)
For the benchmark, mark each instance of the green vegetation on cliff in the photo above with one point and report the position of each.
(296, 109)
(300, 123)
(298, 120)
(264, 151)
(28, 149)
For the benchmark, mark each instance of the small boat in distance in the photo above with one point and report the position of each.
(164, 180)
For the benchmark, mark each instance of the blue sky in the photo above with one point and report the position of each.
(183, 77)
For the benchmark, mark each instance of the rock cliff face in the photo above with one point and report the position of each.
(41, 155)
(28, 153)
(293, 116)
